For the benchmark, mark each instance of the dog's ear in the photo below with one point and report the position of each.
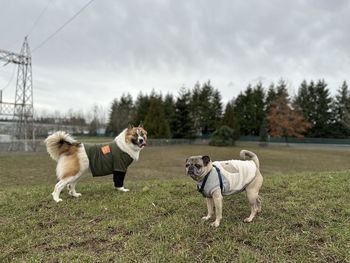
(206, 160)
(130, 127)
(141, 125)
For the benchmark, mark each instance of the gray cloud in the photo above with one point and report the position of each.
(115, 47)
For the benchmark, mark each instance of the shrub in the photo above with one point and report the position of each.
(224, 136)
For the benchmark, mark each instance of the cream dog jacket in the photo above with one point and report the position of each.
(235, 174)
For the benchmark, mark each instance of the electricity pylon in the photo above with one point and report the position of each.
(22, 109)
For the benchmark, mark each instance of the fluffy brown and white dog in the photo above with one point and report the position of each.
(74, 158)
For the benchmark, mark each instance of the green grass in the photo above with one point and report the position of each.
(305, 215)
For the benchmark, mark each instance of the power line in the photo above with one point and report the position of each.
(61, 27)
(39, 17)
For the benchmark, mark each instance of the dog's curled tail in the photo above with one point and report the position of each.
(58, 143)
(244, 153)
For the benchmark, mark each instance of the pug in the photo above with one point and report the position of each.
(220, 178)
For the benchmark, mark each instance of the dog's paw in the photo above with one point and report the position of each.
(58, 200)
(122, 189)
(205, 218)
(215, 224)
(247, 220)
(76, 194)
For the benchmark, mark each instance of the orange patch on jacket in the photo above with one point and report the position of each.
(105, 149)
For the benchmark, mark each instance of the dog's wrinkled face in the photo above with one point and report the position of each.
(137, 136)
(198, 166)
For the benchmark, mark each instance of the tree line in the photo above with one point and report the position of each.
(199, 112)
(257, 111)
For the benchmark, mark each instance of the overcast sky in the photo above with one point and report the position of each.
(117, 46)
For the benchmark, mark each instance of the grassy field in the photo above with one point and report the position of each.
(305, 215)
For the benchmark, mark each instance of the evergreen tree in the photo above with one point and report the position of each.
(216, 110)
(271, 96)
(169, 110)
(205, 117)
(230, 119)
(155, 123)
(281, 89)
(315, 103)
(182, 123)
(121, 114)
(243, 110)
(142, 105)
(112, 124)
(340, 108)
(263, 133)
(322, 127)
(249, 108)
(206, 108)
(259, 103)
(169, 106)
(196, 107)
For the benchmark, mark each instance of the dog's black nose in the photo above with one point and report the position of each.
(191, 168)
(141, 140)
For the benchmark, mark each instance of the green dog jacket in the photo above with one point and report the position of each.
(106, 158)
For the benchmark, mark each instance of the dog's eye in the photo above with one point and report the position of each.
(197, 166)
(187, 165)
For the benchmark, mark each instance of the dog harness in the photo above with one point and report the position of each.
(211, 182)
(227, 182)
(104, 159)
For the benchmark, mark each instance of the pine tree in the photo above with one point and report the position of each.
(340, 108)
(182, 123)
(206, 108)
(205, 117)
(169, 106)
(315, 103)
(271, 96)
(243, 110)
(281, 89)
(216, 110)
(155, 123)
(121, 114)
(169, 110)
(263, 133)
(249, 108)
(259, 102)
(324, 116)
(196, 108)
(112, 124)
(230, 119)
(142, 105)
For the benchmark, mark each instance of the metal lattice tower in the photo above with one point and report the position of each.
(22, 108)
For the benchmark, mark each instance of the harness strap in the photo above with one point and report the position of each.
(206, 178)
(203, 184)
(220, 177)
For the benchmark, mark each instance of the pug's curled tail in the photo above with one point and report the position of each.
(58, 143)
(244, 154)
